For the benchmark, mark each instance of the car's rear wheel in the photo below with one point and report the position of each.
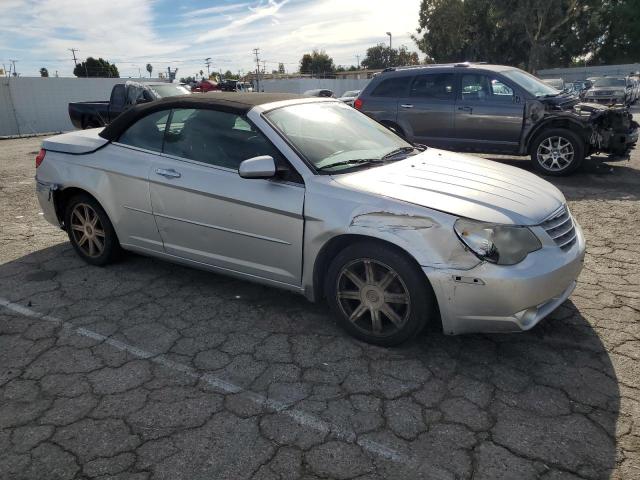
(557, 152)
(378, 294)
(90, 230)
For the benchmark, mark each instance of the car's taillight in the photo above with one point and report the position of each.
(357, 104)
(40, 157)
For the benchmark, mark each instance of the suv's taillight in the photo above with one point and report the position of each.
(357, 104)
(40, 157)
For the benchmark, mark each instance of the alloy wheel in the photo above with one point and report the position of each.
(555, 153)
(373, 297)
(87, 230)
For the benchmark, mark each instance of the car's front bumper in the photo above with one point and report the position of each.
(495, 298)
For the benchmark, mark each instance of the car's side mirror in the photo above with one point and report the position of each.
(263, 166)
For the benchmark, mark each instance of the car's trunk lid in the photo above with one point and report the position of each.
(77, 142)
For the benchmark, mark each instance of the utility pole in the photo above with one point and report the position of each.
(358, 59)
(75, 62)
(255, 51)
(207, 62)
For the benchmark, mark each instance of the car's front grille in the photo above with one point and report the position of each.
(560, 228)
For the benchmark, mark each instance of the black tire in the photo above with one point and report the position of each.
(396, 129)
(415, 313)
(111, 249)
(549, 137)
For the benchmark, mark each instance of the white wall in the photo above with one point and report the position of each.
(580, 73)
(40, 105)
(301, 85)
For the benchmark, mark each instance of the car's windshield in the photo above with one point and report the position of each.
(169, 90)
(530, 83)
(333, 136)
(610, 82)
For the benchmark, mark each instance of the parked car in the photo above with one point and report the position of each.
(205, 86)
(496, 109)
(228, 85)
(310, 195)
(609, 91)
(319, 92)
(557, 83)
(123, 96)
(349, 97)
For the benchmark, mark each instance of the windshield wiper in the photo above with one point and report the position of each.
(397, 151)
(354, 161)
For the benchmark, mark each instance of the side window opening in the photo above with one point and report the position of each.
(391, 87)
(148, 132)
(217, 138)
(483, 88)
(434, 85)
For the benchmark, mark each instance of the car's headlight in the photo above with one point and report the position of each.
(501, 244)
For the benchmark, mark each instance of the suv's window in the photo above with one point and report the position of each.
(118, 96)
(217, 138)
(483, 88)
(391, 87)
(433, 85)
(147, 132)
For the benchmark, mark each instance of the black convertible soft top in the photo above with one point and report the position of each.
(232, 102)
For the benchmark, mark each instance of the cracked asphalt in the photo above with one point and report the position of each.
(148, 370)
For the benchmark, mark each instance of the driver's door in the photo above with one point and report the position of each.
(207, 213)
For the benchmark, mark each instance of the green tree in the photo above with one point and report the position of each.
(317, 63)
(149, 69)
(230, 74)
(381, 56)
(531, 34)
(44, 72)
(96, 68)
(620, 42)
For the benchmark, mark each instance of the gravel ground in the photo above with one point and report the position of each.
(146, 369)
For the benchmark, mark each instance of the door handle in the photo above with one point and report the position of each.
(466, 109)
(168, 173)
(406, 105)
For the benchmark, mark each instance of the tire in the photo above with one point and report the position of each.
(548, 141)
(396, 129)
(95, 241)
(411, 299)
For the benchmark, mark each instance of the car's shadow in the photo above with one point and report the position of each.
(541, 401)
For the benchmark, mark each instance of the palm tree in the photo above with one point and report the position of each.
(149, 69)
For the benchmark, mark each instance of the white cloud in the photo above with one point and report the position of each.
(270, 10)
(39, 32)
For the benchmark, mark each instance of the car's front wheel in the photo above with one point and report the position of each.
(557, 152)
(378, 294)
(90, 230)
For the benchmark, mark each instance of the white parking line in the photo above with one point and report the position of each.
(302, 418)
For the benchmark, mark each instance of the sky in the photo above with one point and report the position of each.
(181, 34)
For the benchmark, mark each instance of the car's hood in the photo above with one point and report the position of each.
(462, 185)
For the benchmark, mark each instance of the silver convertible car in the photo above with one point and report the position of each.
(310, 195)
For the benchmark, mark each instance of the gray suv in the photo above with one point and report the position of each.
(496, 109)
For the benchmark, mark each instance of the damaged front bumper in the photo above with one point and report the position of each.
(495, 298)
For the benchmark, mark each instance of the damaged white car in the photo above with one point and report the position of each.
(312, 196)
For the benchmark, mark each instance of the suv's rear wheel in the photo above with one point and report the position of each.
(557, 152)
(378, 294)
